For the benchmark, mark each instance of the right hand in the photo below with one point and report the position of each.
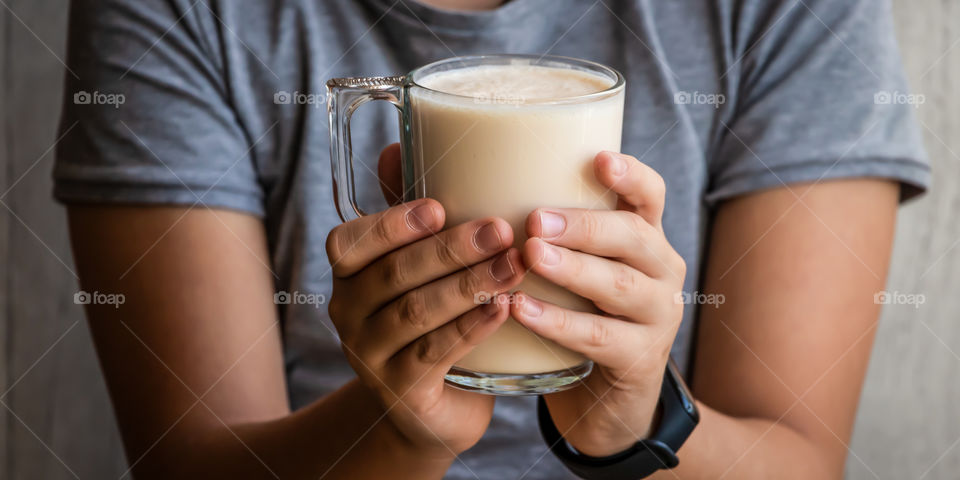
(404, 305)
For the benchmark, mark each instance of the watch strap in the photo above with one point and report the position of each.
(678, 417)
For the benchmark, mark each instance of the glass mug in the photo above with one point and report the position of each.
(506, 156)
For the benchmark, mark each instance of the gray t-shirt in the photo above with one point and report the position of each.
(723, 98)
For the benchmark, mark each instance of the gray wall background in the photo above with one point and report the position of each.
(57, 422)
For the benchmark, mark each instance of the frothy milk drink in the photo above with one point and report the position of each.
(510, 139)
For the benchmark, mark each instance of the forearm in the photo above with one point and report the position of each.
(343, 435)
(747, 449)
(194, 362)
(790, 328)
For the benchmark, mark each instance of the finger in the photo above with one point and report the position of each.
(389, 171)
(353, 245)
(607, 341)
(429, 259)
(426, 308)
(430, 357)
(640, 188)
(615, 234)
(614, 287)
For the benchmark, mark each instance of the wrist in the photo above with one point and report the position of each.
(654, 421)
(389, 441)
(616, 432)
(402, 446)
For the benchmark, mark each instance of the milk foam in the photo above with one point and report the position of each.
(523, 82)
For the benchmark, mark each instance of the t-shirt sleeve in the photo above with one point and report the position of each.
(146, 111)
(821, 95)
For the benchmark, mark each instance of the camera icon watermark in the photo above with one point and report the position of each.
(481, 298)
(299, 298)
(98, 298)
(885, 97)
(284, 97)
(99, 98)
(885, 297)
(699, 98)
(699, 298)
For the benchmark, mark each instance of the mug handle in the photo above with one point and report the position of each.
(344, 96)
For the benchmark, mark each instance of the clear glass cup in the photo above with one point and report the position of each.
(502, 156)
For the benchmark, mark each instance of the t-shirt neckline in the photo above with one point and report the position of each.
(434, 17)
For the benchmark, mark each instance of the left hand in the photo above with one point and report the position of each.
(620, 260)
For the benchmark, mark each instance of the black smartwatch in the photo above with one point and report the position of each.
(678, 417)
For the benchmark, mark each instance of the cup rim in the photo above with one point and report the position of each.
(618, 84)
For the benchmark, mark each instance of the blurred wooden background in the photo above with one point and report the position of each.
(57, 422)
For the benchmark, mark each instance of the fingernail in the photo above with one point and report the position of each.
(487, 238)
(501, 269)
(421, 218)
(531, 307)
(551, 255)
(551, 224)
(617, 165)
(492, 308)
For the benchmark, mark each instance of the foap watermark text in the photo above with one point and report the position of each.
(885, 297)
(316, 100)
(699, 98)
(699, 298)
(99, 298)
(99, 98)
(886, 97)
(299, 298)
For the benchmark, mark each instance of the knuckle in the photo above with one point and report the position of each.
(625, 280)
(411, 309)
(465, 330)
(445, 253)
(419, 398)
(468, 284)
(563, 322)
(428, 350)
(599, 334)
(590, 226)
(394, 272)
(381, 231)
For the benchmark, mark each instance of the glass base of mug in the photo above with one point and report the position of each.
(518, 384)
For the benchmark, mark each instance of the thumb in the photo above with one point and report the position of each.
(389, 171)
